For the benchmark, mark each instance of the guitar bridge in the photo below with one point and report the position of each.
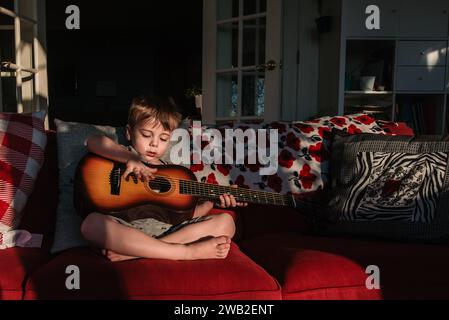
(115, 179)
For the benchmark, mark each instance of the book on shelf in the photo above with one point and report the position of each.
(419, 115)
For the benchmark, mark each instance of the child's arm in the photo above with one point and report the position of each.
(203, 208)
(226, 200)
(108, 148)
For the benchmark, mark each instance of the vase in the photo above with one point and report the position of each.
(367, 83)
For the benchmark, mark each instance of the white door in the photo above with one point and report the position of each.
(241, 60)
(23, 80)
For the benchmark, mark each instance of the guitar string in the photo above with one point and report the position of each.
(197, 183)
(247, 192)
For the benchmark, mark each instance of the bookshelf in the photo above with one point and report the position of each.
(422, 112)
(373, 59)
(401, 71)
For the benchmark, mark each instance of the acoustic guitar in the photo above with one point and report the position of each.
(101, 187)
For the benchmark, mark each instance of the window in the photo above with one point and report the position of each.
(23, 80)
(241, 74)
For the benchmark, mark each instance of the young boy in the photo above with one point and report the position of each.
(132, 234)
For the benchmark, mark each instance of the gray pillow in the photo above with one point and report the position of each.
(390, 187)
(71, 138)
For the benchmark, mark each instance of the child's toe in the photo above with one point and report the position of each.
(221, 240)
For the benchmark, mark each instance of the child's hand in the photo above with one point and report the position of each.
(140, 170)
(228, 200)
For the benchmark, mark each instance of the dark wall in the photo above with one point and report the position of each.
(151, 47)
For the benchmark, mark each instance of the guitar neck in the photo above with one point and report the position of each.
(213, 191)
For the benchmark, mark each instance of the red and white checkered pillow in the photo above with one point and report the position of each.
(22, 145)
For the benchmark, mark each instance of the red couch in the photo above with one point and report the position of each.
(273, 258)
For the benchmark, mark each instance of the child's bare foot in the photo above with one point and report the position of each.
(114, 256)
(214, 248)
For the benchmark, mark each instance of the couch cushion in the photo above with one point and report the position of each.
(334, 268)
(302, 156)
(390, 187)
(71, 139)
(16, 263)
(236, 277)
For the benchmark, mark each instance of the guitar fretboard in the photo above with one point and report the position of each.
(213, 191)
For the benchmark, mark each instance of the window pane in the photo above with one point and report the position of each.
(26, 8)
(262, 5)
(28, 92)
(227, 95)
(7, 54)
(254, 41)
(253, 93)
(227, 9)
(27, 60)
(254, 6)
(6, 20)
(227, 45)
(8, 4)
(7, 51)
(9, 101)
(262, 30)
(26, 35)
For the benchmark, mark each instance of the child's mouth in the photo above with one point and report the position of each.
(151, 154)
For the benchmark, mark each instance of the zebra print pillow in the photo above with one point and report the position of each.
(395, 187)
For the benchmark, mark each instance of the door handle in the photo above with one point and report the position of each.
(268, 66)
(6, 64)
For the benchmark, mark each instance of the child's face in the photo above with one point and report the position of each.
(149, 138)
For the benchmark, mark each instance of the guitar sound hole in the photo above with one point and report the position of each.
(159, 185)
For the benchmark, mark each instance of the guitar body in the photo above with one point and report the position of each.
(100, 187)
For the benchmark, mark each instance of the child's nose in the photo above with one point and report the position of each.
(153, 143)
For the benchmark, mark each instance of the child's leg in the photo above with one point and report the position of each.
(105, 232)
(215, 226)
(113, 256)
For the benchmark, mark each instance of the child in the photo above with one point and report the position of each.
(132, 234)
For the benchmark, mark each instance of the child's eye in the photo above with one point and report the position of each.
(165, 140)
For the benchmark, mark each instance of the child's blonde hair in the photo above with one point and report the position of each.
(146, 108)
